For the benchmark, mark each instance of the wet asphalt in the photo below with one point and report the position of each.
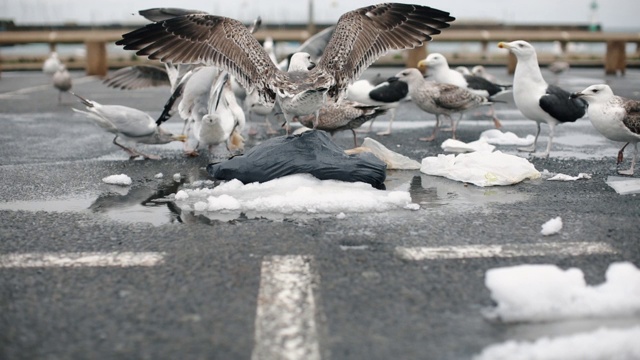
(200, 303)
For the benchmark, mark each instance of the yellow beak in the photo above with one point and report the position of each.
(181, 138)
(422, 65)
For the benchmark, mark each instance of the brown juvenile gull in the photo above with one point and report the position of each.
(615, 117)
(438, 98)
(361, 36)
(130, 124)
(537, 100)
(344, 115)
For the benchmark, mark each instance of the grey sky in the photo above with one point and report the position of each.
(612, 14)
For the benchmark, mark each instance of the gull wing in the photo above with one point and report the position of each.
(210, 40)
(363, 35)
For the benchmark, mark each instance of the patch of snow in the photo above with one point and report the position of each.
(300, 193)
(552, 226)
(121, 179)
(602, 344)
(341, 216)
(177, 177)
(624, 185)
(181, 195)
(535, 293)
(159, 176)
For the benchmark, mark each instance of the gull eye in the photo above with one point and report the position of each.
(595, 90)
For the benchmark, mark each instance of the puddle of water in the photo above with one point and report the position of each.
(130, 205)
(436, 192)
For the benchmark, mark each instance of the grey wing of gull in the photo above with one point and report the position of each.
(210, 40)
(160, 14)
(363, 35)
(557, 103)
(129, 121)
(137, 77)
(632, 118)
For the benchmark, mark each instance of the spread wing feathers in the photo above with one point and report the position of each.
(557, 103)
(455, 98)
(160, 14)
(632, 119)
(137, 77)
(211, 40)
(363, 35)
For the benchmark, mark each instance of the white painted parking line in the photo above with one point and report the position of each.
(285, 326)
(504, 251)
(81, 259)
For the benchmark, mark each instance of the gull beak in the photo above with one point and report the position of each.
(181, 138)
(422, 65)
(311, 65)
(504, 45)
(392, 79)
(576, 95)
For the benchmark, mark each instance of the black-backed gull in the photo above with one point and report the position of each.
(537, 100)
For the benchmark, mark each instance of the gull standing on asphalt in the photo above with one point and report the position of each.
(438, 98)
(361, 36)
(615, 117)
(537, 100)
(62, 81)
(132, 125)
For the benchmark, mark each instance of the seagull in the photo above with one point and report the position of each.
(313, 46)
(344, 115)
(360, 37)
(463, 70)
(51, 64)
(438, 98)
(224, 120)
(481, 71)
(537, 100)
(385, 94)
(615, 117)
(130, 124)
(61, 81)
(440, 72)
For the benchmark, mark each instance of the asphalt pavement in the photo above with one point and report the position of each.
(161, 283)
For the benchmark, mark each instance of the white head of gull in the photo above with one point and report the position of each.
(361, 36)
(537, 100)
(615, 117)
(438, 98)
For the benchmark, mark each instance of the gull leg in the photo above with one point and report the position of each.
(270, 129)
(532, 148)
(552, 130)
(391, 119)
(434, 132)
(621, 154)
(355, 141)
(496, 121)
(633, 162)
(315, 119)
(454, 126)
(369, 129)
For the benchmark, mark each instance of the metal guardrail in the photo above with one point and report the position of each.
(614, 61)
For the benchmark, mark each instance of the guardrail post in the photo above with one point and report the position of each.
(414, 55)
(616, 57)
(96, 58)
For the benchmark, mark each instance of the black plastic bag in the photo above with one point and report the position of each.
(311, 152)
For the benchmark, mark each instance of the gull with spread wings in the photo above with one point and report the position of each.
(361, 36)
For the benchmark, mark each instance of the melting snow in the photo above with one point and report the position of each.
(552, 226)
(300, 193)
(597, 345)
(121, 179)
(545, 293)
(564, 177)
